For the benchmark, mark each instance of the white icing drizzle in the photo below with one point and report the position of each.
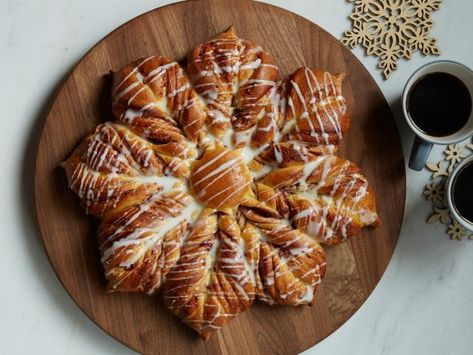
(134, 71)
(336, 199)
(288, 126)
(125, 91)
(236, 267)
(210, 162)
(160, 103)
(299, 96)
(252, 65)
(167, 182)
(227, 138)
(146, 238)
(248, 153)
(180, 89)
(225, 168)
(266, 169)
(218, 116)
(277, 153)
(243, 136)
(308, 296)
(148, 79)
(321, 99)
(130, 100)
(312, 165)
(260, 82)
(158, 72)
(242, 187)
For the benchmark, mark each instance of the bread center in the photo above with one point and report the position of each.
(220, 179)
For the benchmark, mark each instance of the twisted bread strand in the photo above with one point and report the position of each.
(316, 110)
(288, 264)
(156, 87)
(211, 282)
(141, 243)
(113, 167)
(329, 198)
(234, 77)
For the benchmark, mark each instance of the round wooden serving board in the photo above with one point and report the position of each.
(142, 322)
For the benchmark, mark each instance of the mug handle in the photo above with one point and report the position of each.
(419, 153)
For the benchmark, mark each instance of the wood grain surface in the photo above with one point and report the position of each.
(142, 322)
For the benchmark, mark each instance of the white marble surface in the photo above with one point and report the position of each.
(424, 302)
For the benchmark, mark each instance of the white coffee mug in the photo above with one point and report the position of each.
(423, 142)
(449, 187)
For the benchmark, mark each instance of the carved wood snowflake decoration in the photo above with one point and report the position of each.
(456, 231)
(434, 190)
(392, 29)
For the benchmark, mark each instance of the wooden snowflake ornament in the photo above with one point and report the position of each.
(392, 29)
(434, 191)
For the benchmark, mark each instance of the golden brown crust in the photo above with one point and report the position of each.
(220, 179)
(316, 108)
(234, 77)
(157, 87)
(138, 248)
(133, 186)
(329, 198)
(220, 194)
(288, 265)
(268, 126)
(218, 284)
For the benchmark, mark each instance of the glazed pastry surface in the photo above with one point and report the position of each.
(216, 184)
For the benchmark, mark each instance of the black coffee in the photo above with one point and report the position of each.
(439, 104)
(463, 192)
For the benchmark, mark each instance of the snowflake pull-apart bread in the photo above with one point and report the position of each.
(216, 183)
